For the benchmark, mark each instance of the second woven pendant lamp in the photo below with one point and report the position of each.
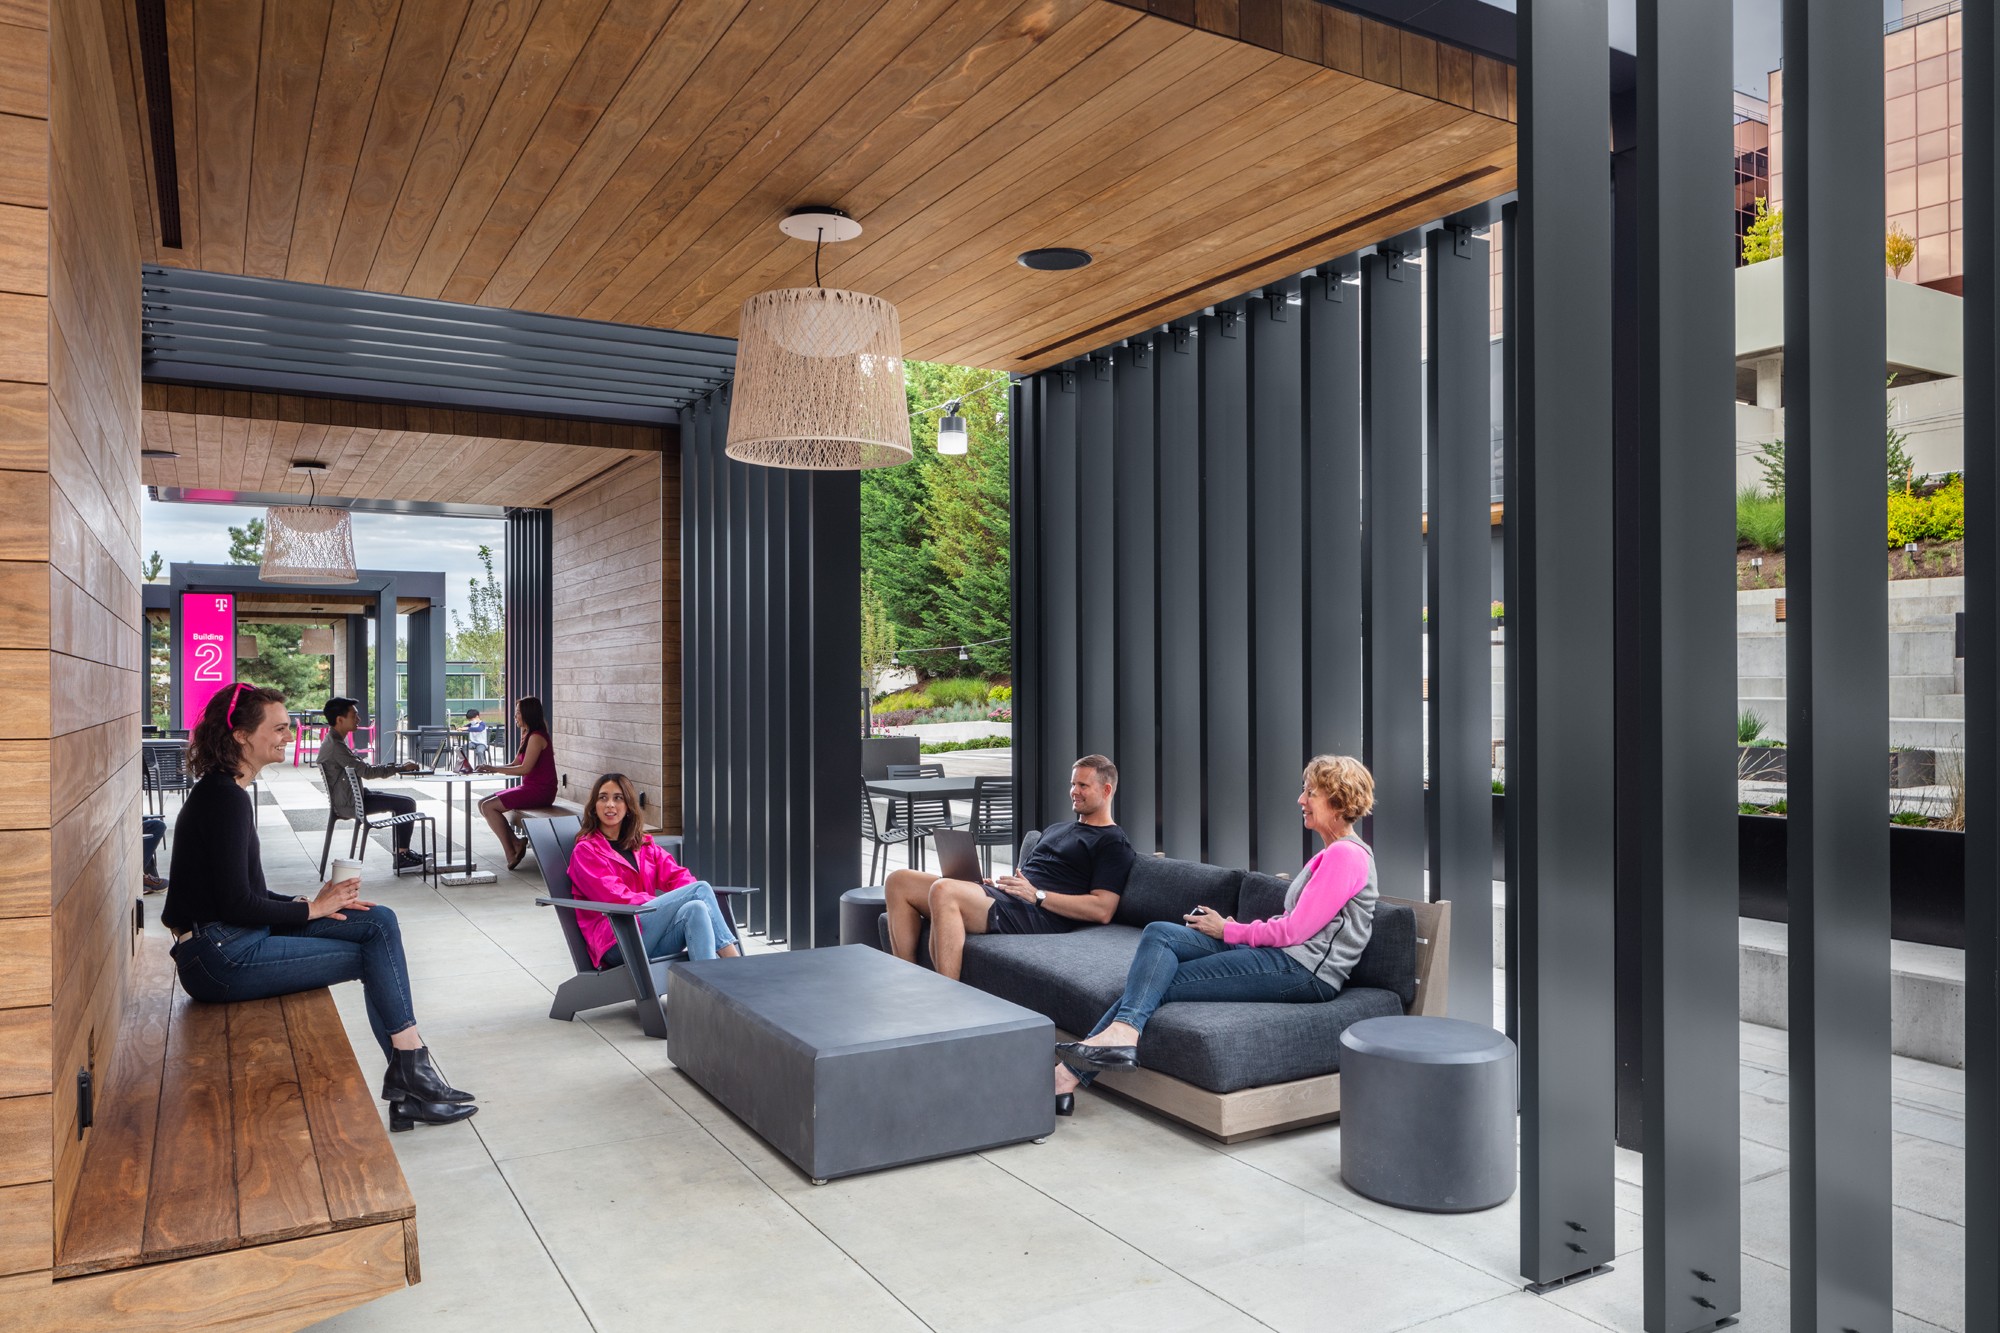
(819, 371)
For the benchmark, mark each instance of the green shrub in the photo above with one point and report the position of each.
(1910, 818)
(1760, 519)
(1749, 727)
(1749, 808)
(963, 690)
(1937, 517)
(1001, 694)
(904, 701)
(1499, 787)
(976, 743)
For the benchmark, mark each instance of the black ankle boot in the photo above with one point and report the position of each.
(413, 1076)
(406, 1114)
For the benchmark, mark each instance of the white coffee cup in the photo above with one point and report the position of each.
(344, 869)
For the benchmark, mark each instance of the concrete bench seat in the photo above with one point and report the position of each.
(237, 1163)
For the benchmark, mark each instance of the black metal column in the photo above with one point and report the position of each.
(1278, 605)
(382, 709)
(760, 672)
(1686, 677)
(1392, 566)
(1560, 773)
(1096, 561)
(695, 469)
(1227, 642)
(1182, 541)
(1025, 401)
(424, 695)
(530, 601)
(1837, 664)
(1331, 310)
(1459, 447)
(834, 525)
(736, 686)
(1135, 566)
(1982, 668)
(800, 693)
(1510, 596)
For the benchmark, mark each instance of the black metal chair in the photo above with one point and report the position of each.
(634, 976)
(163, 768)
(365, 823)
(894, 835)
(992, 817)
(925, 813)
(433, 746)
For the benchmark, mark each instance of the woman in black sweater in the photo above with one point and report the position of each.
(236, 940)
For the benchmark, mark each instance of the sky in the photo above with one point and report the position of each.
(199, 534)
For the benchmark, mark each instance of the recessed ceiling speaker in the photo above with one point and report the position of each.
(1055, 259)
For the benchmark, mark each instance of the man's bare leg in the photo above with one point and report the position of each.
(907, 895)
(958, 909)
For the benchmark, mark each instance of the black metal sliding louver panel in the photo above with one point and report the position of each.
(530, 632)
(1228, 651)
(1279, 548)
(1182, 541)
(1135, 571)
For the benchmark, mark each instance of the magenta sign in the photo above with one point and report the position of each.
(208, 649)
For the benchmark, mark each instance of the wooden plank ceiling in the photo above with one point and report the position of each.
(229, 441)
(628, 160)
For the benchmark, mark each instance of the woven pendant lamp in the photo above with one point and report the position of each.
(308, 543)
(317, 641)
(819, 371)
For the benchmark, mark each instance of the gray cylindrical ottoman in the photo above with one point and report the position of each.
(1427, 1113)
(860, 909)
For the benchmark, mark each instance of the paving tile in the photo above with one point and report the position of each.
(1930, 1178)
(1515, 1312)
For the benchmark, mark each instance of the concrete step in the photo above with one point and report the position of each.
(1927, 733)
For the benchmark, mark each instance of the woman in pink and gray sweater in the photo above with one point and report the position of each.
(616, 861)
(1302, 956)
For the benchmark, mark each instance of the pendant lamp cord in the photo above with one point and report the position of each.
(819, 239)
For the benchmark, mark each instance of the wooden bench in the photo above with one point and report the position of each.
(238, 1171)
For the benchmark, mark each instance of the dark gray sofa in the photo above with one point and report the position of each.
(1233, 1071)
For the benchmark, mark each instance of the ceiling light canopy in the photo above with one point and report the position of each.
(819, 371)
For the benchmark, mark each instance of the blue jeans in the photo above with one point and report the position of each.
(686, 918)
(219, 964)
(152, 828)
(1178, 963)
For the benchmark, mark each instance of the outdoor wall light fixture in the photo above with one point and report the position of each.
(308, 543)
(819, 371)
(1054, 259)
(951, 430)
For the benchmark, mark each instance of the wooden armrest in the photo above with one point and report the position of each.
(609, 909)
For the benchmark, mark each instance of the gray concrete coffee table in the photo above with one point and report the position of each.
(849, 1059)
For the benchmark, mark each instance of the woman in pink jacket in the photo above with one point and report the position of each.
(1299, 957)
(615, 861)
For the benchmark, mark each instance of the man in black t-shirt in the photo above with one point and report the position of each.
(1072, 877)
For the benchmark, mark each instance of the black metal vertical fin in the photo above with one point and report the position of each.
(1227, 642)
(694, 471)
(832, 526)
(1278, 578)
(1024, 414)
(1560, 773)
(1097, 591)
(736, 714)
(801, 779)
(1982, 668)
(1332, 352)
(1392, 566)
(1459, 446)
(1687, 680)
(1837, 666)
(756, 671)
(1135, 562)
(1510, 597)
(1178, 380)
(1059, 506)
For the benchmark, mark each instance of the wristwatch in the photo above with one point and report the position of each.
(1041, 896)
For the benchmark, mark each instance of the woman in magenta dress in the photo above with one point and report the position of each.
(535, 765)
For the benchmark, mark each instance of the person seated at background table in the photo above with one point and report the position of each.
(1073, 877)
(234, 939)
(535, 765)
(475, 736)
(1301, 956)
(336, 757)
(616, 861)
(152, 828)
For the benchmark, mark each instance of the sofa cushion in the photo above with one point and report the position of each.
(1162, 889)
(1390, 961)
(1228, 1047)
(1262, 896)
(1072, 978)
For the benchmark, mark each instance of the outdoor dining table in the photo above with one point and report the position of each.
(456, 873)
(911, 790)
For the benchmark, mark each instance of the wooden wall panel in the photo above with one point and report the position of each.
(611, 709)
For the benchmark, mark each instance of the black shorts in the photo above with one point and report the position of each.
(1011, 916)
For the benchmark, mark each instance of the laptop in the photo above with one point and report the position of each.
(958, 855)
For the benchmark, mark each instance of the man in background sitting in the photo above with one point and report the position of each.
(336, 758)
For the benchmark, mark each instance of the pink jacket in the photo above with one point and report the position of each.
(598, 871)
(1332, 878)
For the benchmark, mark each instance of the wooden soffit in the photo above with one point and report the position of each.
(628, 160)
(245, 442)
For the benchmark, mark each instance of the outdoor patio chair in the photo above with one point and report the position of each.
(992, 816)
(433, 746)
(896, 834)
(163, 768)
(634, 977)
(927, 814)
(365, 823)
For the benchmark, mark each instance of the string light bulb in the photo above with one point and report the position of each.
(952, 438)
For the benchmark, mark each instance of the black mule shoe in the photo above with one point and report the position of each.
(413, 1076)
(406, 1114)
(1065, 1103)
(1099, 1057)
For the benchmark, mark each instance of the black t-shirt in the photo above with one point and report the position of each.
(1078, 857)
